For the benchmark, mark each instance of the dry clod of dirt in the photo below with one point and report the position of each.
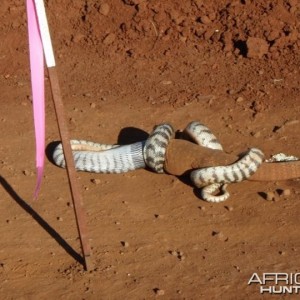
(256, 47)
(239, 99)
(220, 236)
(95, 181)
(270, 196)
(125, 244)
(109, 39)
(179, 254)
(104, 9)
(228, 207)
(26, 172)
(159, 292)
(284, 192)
(205, 20)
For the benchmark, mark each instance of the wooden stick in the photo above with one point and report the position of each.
(63, 131)
(70, 167)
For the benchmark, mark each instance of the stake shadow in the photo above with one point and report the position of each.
(50, 230)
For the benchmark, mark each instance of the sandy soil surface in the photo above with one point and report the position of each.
(125, 66)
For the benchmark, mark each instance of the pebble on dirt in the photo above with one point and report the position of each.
(270, 196)
(256, 47)
(220, 236)
(125, 244)
(286, 192)
(159, 292)
(104, 9)
(95, 181)
(229, 208)
(109, 39)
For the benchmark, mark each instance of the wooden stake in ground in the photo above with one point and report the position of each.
(64, 133)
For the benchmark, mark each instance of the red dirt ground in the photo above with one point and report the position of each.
(125, 66)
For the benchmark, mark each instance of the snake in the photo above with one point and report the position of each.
(212, 179)
(106, 158)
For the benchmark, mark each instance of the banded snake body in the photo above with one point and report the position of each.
(104, 158)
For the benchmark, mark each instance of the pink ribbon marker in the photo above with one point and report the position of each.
(37, 86)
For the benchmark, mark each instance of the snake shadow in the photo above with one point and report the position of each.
(50, 149)
(35, 216)
(129, 135)
(185, 179)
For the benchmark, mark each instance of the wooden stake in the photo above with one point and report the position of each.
(63, 131)
(70, 167)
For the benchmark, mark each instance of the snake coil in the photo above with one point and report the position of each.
(103, 158)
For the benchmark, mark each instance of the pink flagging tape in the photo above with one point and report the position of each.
(38, 90)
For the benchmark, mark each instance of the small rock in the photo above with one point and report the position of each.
(96, 181)
(229, 208)
(26, 172)
(286, 192)
(104, 9)
(93, 105)
(205, 20)
(166, 82)
(257, 134)
(125, 244)
(59, 219)
(256, 47)
(231, 92)
(72, 121)
(270, 196)
(237, 268)
(77, 38)
(277, 128)
(70, 204)
(220, 236)
(109, 39)
(239, 100)
(159, 292)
